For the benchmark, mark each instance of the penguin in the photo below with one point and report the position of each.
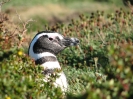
(44, 48)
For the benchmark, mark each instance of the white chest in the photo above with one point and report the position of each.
(60, 81)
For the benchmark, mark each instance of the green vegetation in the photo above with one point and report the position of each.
(101, 67)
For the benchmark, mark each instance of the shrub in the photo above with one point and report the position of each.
(106, 41)
(20, 77)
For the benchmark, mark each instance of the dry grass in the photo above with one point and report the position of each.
(45, 11)
(56, 13)
(60, 11)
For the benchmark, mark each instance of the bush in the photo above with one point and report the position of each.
(20, 77)
(106, 42)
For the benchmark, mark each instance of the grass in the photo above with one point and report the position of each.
(60, 11)
(69, 4)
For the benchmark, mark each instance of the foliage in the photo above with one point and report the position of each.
(100, 67)
(20, 78)
(106, 42)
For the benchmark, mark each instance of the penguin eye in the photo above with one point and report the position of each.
(50, 39)
(58, 38)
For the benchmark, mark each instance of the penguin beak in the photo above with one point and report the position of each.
(70, 41)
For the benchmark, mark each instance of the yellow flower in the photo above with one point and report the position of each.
(8, 97)
(20, 53)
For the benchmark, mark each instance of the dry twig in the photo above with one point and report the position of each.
(25, 26)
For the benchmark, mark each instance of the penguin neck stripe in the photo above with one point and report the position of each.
(45, 59)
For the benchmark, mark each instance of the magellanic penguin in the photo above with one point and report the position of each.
(43, 49)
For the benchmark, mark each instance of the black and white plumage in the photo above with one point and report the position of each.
(43, 49)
